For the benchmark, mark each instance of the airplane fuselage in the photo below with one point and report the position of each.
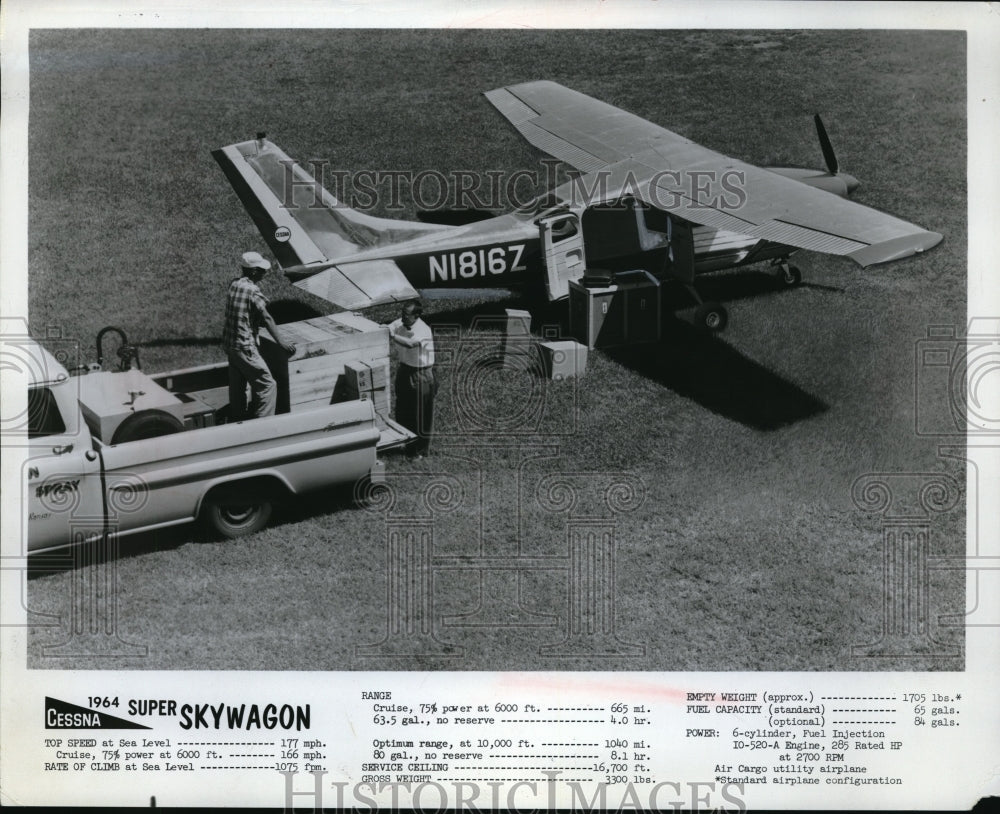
(507, 252)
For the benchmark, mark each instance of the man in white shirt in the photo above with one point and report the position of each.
(415, 382)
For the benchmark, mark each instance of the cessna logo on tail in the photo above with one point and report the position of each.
(475, 263)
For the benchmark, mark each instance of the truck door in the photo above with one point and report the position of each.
(562, 248)
(62, 477)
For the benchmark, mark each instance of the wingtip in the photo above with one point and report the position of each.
(896, 249)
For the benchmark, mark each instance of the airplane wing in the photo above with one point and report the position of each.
(310, 233)
(620, 153)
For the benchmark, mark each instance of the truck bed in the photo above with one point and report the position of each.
(328, 350)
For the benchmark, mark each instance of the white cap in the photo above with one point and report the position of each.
(253, 260)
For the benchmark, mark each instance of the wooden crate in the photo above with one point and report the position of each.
(329, 353)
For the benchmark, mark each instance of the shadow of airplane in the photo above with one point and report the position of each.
(688, 360)
(700, 366)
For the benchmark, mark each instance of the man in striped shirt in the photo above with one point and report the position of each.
(246, 312)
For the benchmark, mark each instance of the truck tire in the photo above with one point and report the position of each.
(146, 424)
(231, 514)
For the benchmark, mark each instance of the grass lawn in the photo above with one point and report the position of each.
(742, 550)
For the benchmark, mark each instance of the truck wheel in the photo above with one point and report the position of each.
(232, 515)
(146, 424)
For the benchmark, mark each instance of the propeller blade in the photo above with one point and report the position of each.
(824, 142)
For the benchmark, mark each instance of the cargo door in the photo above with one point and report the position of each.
(562, 248)
(643, 314)
(681, 257)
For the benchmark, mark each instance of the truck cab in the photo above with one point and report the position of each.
(63, 471)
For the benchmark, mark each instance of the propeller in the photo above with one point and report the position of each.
(824, 142)
(832, 165)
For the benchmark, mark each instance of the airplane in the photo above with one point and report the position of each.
(641, 196)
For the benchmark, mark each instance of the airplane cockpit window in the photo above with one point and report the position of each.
(563, 229)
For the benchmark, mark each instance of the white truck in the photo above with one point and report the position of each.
(120, 452)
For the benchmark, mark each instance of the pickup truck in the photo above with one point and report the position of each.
(124, 452)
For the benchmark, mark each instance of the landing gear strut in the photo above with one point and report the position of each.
(711, 316)
(790, 276)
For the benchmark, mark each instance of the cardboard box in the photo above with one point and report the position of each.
(563, 359)
(358, 376)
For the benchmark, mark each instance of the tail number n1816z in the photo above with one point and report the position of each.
(475, 263)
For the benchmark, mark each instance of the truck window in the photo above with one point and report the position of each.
(43, 414)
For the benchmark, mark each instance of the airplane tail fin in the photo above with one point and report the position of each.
(312, 235)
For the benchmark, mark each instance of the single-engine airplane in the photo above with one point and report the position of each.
(643, 197)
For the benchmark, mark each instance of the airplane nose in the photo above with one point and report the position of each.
(852, 182)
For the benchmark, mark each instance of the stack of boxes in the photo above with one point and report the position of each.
(627, 311)
(369, 381)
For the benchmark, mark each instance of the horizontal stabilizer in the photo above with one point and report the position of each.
(358, 285)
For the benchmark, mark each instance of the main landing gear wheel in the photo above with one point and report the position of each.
(712, 317)
(791, 276)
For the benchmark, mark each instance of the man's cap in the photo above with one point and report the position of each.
(253, 260)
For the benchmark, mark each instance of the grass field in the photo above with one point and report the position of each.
(747, 552)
